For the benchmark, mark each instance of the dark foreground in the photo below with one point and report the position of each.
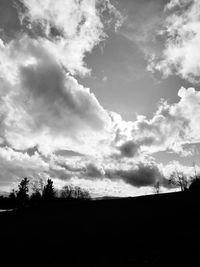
(160, 230)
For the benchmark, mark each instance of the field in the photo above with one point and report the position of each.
(157, 230)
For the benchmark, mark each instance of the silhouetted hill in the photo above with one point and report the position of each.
(155, 230)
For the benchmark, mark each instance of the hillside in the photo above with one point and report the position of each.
(157, 230)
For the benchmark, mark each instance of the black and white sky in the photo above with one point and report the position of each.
(103, 94)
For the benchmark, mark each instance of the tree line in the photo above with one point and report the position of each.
(34, 192)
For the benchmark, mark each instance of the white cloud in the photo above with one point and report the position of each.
(172, 166)
(176, 3)
(106, 187)
(70, 29)
(182, 32)
(172, 126)
(42, 106)
(15, 165)
(43, 102)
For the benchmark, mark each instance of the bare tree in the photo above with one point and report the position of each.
(67, 191)
(37, 186)
(178, 179)
(74, 192)
(156, 187)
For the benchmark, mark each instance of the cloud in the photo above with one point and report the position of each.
(9, 20)
(136, 173)
(106, 187)
(52, 126)
(129, 149)
(94, 170)
(142, 174)
(189, 171)
(69, 29)
(181, 31)
(15, 165)
(43, 101)
(98, 179)
(59, 96)
(45, 107)
(40, 99)
(171, 127)
(173, 4)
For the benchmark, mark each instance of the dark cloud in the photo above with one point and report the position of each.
(30, 151)
(67, 153)
(9, 20)
(94, 171)
(56, 100)
(141, 175)
(129, 149)
(138, 175)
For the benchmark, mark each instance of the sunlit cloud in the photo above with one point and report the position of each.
(70, 29)
(181, 30)
(53, 126)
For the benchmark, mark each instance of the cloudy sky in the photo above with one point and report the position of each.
(103, 94)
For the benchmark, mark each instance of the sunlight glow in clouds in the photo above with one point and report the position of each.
(73, 139)
(171, 127)
(71, 28)
(182, 29)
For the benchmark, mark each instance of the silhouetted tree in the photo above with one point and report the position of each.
(76, 192)
(48, 191)
(22, 193)
(178, 179)
(81, 193)
(37, 187)
(195, 185)
(67, 191)
(156, 187)
(35, 198)
(13, 194)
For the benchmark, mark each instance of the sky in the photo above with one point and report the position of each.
(103, 94)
